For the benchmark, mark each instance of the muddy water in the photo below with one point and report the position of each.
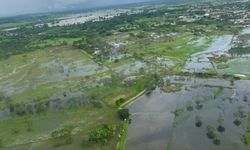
(154, 126)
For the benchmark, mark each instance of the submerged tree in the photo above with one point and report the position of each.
(216, 141)
(198, 105)
(220, 120)
(232, 82)
(245, 99)
(237, 122)
(190, 106)
(198, 122)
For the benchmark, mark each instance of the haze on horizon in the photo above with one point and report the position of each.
(19, 7)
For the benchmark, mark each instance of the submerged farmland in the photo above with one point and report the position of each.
(136, 77)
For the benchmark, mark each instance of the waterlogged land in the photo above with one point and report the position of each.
(180, 120)
(184, 118)
(67, 79)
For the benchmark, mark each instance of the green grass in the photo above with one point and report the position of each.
(42, 92)
(222, 66)
(52, 43)
(83, 120)
(177, 49)
(12, 25)
(121, 145)
(247, 137)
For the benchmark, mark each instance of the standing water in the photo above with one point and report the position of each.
(168, 120)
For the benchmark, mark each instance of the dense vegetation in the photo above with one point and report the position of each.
(91, 34)
(238, 51)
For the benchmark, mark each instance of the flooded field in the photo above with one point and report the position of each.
(28, 71)
(200, 61)
(237, 66)
(204, 61)
(205, 114)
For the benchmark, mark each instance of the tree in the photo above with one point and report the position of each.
(124, 114)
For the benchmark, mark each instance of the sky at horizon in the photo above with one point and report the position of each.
(18, 7)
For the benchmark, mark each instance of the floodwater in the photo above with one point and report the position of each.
(151, 121)
(239, 65)
(154, 125)
(200, 61)
(246, 31)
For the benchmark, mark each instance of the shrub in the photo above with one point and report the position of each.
(20, 109)
(216, 141)
(40, 107)
(211, 132)
(15, 131)
(120, 101)
(178, 112)
(220, 119)
(97, 104)
(190, 108)
(64, 132)
(62, 136)
(103, 134)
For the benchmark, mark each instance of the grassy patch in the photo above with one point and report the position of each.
(82, 120)
(121, 145)
(172, 88)
(222, 66)
(247, 138)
